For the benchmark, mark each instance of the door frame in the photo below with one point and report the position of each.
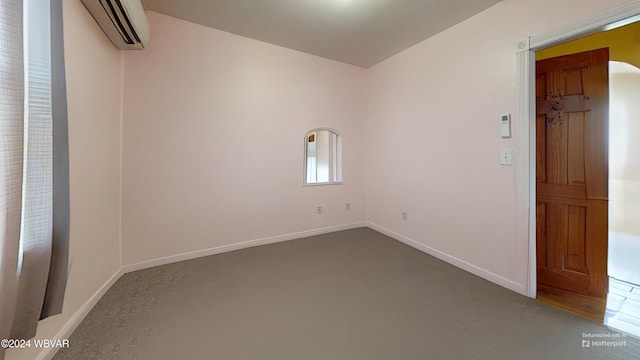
(526, 127)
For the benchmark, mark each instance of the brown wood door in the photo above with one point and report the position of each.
(572, 171)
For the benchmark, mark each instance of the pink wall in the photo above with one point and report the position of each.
(433, 135)
(94, 88)
(214, 125)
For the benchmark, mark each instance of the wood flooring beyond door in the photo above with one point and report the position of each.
(348, 295)
(589, 307)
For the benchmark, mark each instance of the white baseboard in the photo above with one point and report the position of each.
(77, 318)
(238, 246)
(485, 274)
(68, 328)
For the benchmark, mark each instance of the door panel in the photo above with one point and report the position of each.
(576, 247)
(575, 150)
(572, 171)
(541, 154)
(574, 82)
(541, 225)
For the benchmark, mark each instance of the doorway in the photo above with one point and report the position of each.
(526, 148)
(572, 181)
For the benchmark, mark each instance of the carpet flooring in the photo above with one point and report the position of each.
(354, 294)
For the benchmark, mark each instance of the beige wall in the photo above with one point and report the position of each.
(93, 68)
(434, 142)
(214, 128)
(624, 151)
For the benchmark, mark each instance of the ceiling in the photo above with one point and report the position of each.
(357, 32)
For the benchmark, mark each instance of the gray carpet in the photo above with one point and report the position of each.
(353, 294)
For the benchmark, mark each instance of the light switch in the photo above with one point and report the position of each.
(505, 126)
(506, 157)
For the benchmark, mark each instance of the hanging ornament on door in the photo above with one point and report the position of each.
(554, 108)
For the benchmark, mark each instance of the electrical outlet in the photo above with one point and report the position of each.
(319, 210)
(404, 215)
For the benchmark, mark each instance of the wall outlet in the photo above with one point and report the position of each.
(347, 206)
(404, 215)
(319, 210)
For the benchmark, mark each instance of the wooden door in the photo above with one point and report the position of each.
(572, 172)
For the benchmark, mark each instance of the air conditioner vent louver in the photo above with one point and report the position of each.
(123, 21)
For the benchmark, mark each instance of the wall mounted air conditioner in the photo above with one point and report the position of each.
(123, 21)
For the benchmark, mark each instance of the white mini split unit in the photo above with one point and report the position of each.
(123, 21)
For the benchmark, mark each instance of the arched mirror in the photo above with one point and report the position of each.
(322, 157)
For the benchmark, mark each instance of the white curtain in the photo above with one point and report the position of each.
(11, 158)
(26, 167)
(35, 250)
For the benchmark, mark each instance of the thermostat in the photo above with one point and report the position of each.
(505, 126)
